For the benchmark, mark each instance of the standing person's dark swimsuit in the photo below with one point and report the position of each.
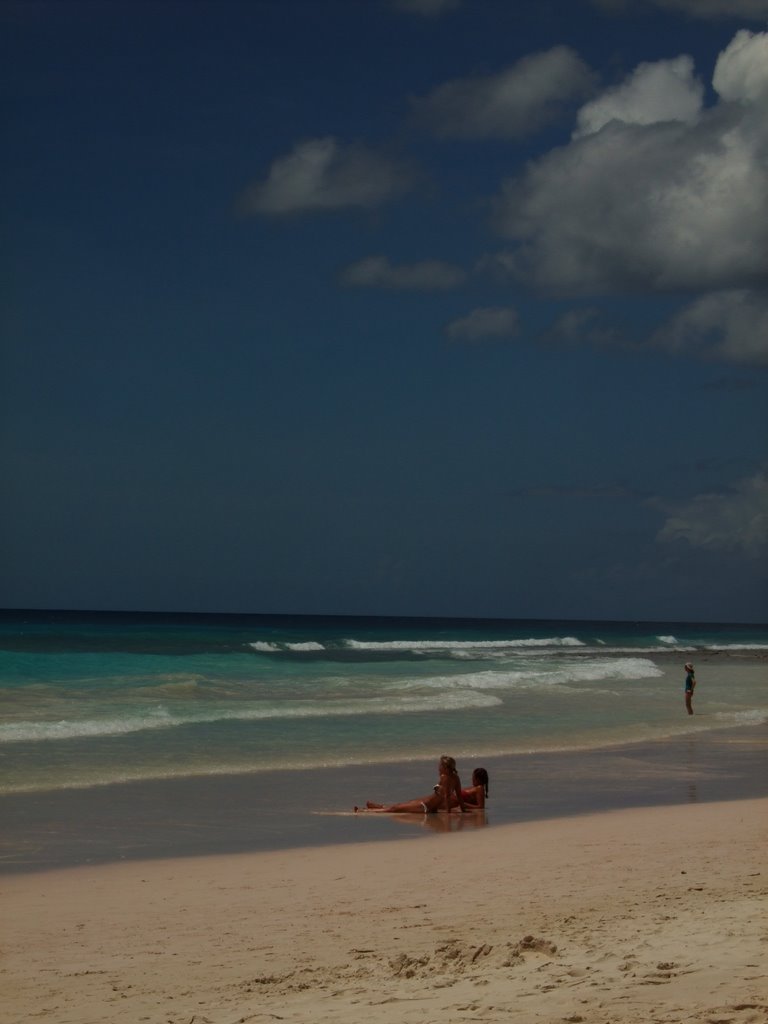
(690, 686)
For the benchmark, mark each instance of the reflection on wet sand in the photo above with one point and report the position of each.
(445, 822)
(692, 766)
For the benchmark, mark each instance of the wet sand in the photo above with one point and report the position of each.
(269, 811)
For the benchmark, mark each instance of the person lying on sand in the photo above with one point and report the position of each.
(446, 794)
(476, 794)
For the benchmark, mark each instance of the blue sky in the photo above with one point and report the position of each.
(409, 307)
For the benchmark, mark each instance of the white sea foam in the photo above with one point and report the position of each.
(736, 647)
(672, 645)
(608, 668)
(158, 718)
(604, 649)
(460, 645)
(268, 647)
(19, 732)
(752, 716)
(597, 670)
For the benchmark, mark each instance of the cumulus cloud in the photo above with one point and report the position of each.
(733, 521)
(508, 105)
(741, 72)
(322, 174)
(485, 322)
(725, 326)
(426, 275)
(729, 325)
(663, 91)
(652, 199)
(428, 8)
(755, 9)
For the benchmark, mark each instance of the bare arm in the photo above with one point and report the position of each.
(456, 784)
(478, 797)
(444, 793)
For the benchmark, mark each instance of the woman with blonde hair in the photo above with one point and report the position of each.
(446, 794)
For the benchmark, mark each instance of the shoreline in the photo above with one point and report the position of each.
(164, 819)
(626, 915)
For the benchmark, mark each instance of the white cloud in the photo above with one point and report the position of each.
(427, 8)
(661, 206)
(508, 105)
(426, 275)
(734, 521)
(321, 174)
(485, 322)
(730, 325)
(727, 326)
(741, 72)
(664, 91)
(756, 9)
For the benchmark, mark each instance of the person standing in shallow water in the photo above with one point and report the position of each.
(690, 686)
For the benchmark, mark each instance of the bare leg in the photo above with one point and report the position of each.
(688, 699)
(423, 805)
(412, 807)
(409, 807)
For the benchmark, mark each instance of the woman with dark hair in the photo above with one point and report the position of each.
(476, 794)
(446, 794)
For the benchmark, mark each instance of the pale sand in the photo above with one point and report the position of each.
(627, 916)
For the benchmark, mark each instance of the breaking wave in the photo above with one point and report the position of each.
(161, 718)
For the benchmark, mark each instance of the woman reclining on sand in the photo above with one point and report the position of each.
(476, 794)
(446, 794)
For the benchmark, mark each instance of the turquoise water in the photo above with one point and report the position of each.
(92, 699)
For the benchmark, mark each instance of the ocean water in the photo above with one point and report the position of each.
(92, 699)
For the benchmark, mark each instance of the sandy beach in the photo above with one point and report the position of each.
(650, 914)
